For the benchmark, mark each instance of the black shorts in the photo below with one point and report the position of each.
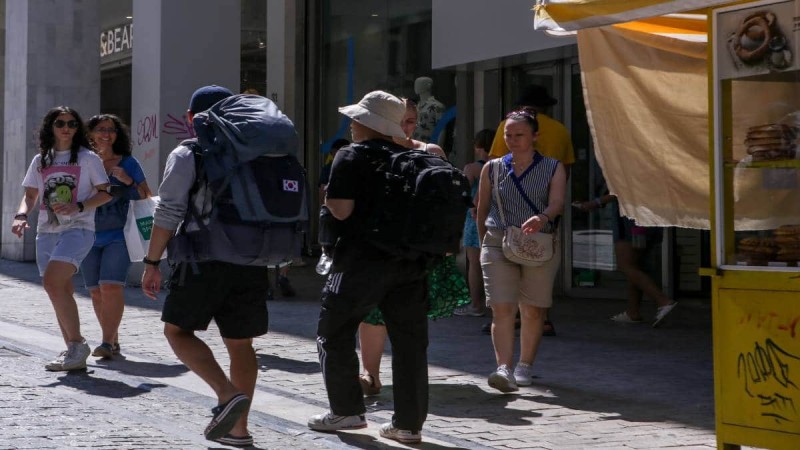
(234, 296)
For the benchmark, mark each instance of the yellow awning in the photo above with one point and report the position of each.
(571, 15)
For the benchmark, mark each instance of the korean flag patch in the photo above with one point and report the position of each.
(291, 186)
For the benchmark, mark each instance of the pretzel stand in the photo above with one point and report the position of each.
(754, 79)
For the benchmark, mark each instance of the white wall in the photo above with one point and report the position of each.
(467, 31)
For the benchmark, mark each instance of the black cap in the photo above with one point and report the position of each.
(205, 97)
(536, 95)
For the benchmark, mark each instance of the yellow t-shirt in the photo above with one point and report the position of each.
(554, 140)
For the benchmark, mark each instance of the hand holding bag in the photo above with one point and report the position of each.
(138, 227)
(533, 249)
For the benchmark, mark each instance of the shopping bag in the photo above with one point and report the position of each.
(138, 228)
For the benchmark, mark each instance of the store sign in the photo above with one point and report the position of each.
(116, 40)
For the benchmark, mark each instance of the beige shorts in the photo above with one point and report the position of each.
(509, 282)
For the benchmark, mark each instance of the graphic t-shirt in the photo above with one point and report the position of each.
(66, 183)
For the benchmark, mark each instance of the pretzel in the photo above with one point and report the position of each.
(759, 19)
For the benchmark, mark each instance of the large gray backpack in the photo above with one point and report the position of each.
(247, 169)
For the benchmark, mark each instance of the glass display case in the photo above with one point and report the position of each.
(757, 132)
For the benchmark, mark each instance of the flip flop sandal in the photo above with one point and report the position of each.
(225, 416)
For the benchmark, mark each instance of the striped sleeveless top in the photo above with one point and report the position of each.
(534, 182)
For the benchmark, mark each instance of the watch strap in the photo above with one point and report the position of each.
(151, 262)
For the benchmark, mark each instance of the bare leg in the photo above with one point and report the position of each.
(372, 340)
(628, 259)
(112, 298)
(503, 316)
(196, 355)
(57, 283)
(244, 372)
(530, 334)
(475, 278)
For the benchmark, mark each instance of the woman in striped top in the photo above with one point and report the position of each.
(532, 189)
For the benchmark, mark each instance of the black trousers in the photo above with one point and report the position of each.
(361, 279)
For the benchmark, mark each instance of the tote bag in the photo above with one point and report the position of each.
(139, 226)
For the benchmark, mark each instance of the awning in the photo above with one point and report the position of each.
(571, 15)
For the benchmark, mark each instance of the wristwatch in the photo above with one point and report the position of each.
(151, 262)
(80, 206)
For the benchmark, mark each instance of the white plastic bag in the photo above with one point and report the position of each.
(138, 227)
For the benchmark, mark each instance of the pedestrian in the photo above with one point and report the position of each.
(364, 276)
(531, 189)
(553, 140)
(72, 182)
(231, 294)
(632, 244)
(105, 268)
(325, 173)
(447, 289)
(472, 246)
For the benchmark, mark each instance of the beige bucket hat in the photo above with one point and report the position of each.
(380, 111)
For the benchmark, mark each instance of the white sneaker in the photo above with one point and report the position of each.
(502, 380)
(388, 431)
(331, 422)
(523, 373)
(73, 359)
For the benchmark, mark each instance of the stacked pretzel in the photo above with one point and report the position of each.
(771, 142)
(787, 240)
(757, 251)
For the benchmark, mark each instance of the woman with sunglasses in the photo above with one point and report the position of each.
(531, 189)
(70, 180)
(105, 268)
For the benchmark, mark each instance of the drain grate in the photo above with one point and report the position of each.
(6, 352)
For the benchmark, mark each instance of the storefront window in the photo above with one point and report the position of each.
(382, 45)
(759, 76)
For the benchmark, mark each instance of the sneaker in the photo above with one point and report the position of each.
(523, 374)
(73, 359)
(502, 380)
(662, 312)
(623, 317)
(235, 441)
(225, 416)
(469, 311)
(104, 350)
(286, 288)
(331, 422)
(389, 431)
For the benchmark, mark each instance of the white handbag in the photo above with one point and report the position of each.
(138, 227)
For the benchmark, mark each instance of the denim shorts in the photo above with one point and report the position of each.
(69, 246)
(106, 264)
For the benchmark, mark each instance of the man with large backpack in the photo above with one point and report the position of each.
(230, 202)
(382, 196)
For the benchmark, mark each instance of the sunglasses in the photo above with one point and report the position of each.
(525, 112)
(72, 124)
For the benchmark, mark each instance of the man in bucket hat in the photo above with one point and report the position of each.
(364, 276)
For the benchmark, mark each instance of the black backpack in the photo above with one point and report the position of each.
(419, 203)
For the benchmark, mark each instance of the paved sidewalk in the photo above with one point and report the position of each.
(599, 384)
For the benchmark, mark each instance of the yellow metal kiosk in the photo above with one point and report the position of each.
(754, 159)
(755, 112)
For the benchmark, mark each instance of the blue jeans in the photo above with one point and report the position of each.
(106, 264)
(69, 246)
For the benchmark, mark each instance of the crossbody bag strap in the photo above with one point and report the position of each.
(496, 190)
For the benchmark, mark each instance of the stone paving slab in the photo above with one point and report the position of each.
(599, 385)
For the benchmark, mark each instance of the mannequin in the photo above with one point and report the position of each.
(429, 110)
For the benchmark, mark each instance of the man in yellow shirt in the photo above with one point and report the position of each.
(554, 141)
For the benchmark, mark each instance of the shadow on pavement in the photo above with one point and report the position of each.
(143, 369)
(102, 387)
(269, 362)
(370, 442)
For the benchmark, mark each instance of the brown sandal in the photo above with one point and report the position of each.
(368, 385)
